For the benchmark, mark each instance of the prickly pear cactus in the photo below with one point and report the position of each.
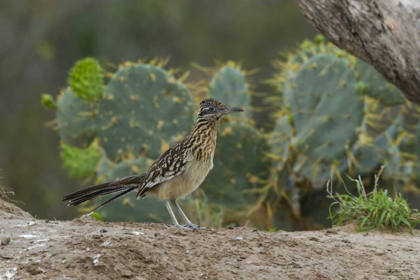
(86, 79)
(326, 111)
(128, 208)
(291, 67)
(76, 119)
(368, 157)
(323, 92)
(48, 101)
(326, 114)
(144, 110)
(104, 166)
(80, 163)
(239, 165)
(229, 86)
(370, 82)
(375, 85)
(281, 142)
(141, 112)
(393, 162)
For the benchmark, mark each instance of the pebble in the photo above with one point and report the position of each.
(126, 273)
(5, 241)
(105, 244)
(331, 231)
(33, 270)
(407, 249)
(380, 252)
(6, 257)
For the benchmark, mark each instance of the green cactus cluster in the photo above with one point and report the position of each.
(144, 110)
(111, 132)
(123, 116)
(336, 114)
(323, 112)
(139, 114)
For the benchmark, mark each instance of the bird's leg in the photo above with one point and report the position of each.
(189, 224)
(171, 213)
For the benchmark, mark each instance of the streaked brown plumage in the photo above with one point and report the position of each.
(177, 172)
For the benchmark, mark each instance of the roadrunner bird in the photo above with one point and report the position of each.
(176, 173)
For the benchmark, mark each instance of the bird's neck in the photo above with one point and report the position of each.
(204, 136)
(206, 127)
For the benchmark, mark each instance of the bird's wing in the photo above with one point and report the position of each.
(170, 164)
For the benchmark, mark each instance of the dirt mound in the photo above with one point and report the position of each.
(9, 210)
(88, 249)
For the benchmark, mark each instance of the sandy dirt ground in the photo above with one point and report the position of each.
(88, 249)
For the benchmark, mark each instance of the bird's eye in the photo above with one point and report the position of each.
(212, 109)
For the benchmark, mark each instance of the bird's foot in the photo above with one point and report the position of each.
(192, 226)
(189, 227)
(183, 227)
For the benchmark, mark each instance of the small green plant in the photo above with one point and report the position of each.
(373, 210)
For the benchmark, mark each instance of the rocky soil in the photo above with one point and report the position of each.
(88, 249)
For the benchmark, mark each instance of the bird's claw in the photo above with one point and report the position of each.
(189, 227)
(183, 227)
(192, 226)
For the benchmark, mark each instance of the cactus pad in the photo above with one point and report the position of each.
(75, 119)
(376, 86)
(369, 157)
(280, 142)
(48, 101)
(86, 79)
(144, 110)
(229, 86)
(327, 109)
(80, 163)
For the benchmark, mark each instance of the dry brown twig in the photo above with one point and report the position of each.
(362, 187)
(375, 188)
(5, 193)
(330, 190)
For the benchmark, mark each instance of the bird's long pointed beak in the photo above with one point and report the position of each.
(233, 110)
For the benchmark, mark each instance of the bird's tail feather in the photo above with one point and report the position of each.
(112, 199)
(123, 186)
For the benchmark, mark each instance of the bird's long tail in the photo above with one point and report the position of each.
(122, 186)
